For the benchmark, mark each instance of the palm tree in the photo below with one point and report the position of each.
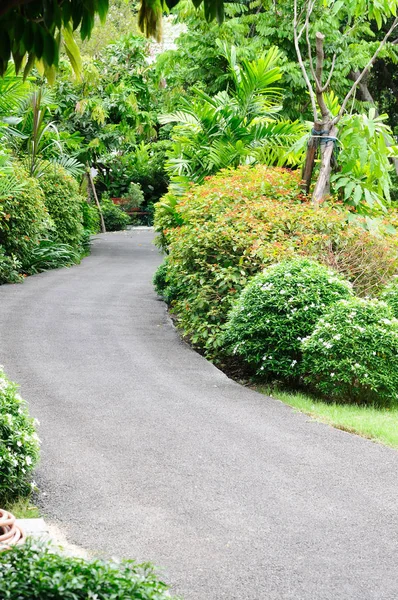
(234, 127)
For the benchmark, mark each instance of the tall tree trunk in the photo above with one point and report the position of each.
(322, 186)
(94, 191)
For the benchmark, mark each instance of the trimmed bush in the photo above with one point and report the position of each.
(352, 354)
(237, 223)
(24, 218)
(30, 572)
(390, 295)
(64, 204)
(277, 309)
(115, 219)
(19, 443)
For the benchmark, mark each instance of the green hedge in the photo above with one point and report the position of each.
(24, 218)
(64, 204)
(39, 573)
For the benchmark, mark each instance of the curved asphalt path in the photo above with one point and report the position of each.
(150, 452)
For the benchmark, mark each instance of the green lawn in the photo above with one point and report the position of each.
(23, 509)
(377, 424)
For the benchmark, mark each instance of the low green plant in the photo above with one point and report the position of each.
(91, 217)
(276, 310)
(32, 572)
(115, 219)
(390, 295)
(51, 254)
(10, 269)
(19, 443)
(352, 354)
(64, 204)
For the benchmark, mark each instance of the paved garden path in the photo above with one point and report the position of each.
(151, 452)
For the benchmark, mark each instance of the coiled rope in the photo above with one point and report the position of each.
(10, 533)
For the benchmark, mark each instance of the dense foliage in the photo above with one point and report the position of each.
(352, 354)
(19, 443)
(115, 218)
(24, 217)
(238, 222)
(390, 295)
(32, 572)
(276, 310)
(64, 204)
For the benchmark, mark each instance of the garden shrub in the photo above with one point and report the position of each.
(134, 197)
(162, 287)
(352, 354)
(9, 268)
(32, 572)
(19, 443)
(225, 231)
(277, 309)
(390, 295)
(64, 204)
(23, 218)
(91, 217)
(115, 219)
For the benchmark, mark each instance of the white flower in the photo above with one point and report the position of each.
(337, 337)
(282, 292)
(19, 443)
(28, 460)
(294, 362)
(331, 374)
(357, 366)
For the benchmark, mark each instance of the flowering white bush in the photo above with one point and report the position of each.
(352, 354)
(390, 295)
(277, 309)
(19, 443)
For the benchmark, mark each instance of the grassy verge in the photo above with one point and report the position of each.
(377, 424)
(23, 509)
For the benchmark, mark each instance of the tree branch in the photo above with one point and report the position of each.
(365, 71)
(297, 36)
(320, 57)
(7, 5)
(325, 87)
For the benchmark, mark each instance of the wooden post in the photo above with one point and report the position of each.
(103, 228)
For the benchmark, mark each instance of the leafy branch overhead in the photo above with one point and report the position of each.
(33, 30)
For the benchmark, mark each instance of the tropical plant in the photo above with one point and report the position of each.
(352, 354)
(41, 142)
(33, 571)
(238, 126)
(19, 443)
(134, 197)
(91, 217)
(366, 147)
(51, 254)
(278, 308)
(64, 204)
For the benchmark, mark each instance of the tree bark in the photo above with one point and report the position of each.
(103, 228)
(322, 186)
(309, 164)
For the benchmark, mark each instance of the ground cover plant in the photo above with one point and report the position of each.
(228, 229)
(19, 443)
(276, 310)
(32, 572)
